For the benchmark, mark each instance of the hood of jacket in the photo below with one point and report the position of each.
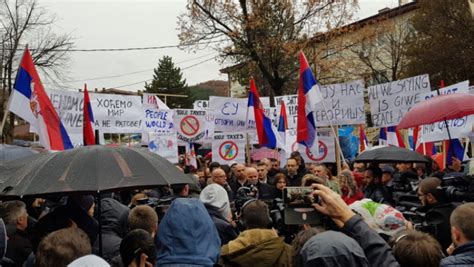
(114, 216)
(187, 235)
(333, 248)
(257, 245)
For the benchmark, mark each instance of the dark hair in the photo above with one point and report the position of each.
(376, 172)
(462, 218)
(135, 241)
(214, 165)
(255, 215)
(177, 188)
(300, 240)
(279, 176)
(309, 179)
(429, 185)
(413, 248)
(61, 247)
(143, 217)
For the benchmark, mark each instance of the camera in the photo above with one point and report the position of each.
(298, 206)
(458, 188)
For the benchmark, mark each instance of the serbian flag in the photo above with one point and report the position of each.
(454, 149)
(190, 155)
(87, 122)
(391, 136)
(425, 148)
(30, 101)
(266, 131)
(363, 142)
(307, 99)
(282, 122)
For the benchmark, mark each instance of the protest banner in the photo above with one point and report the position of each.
(229, 113)
(69, 107)
(158, 120)
(390, 101)
(228, 148)
(342, 104)
(327, 146)
(117, 113)
(151, 101)
(164, 144)
(201, 104)
(458, 128)
(190, 125)
(291, 104)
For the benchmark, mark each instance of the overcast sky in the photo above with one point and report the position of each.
(132, 23)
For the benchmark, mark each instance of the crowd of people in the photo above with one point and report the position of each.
(207, 223)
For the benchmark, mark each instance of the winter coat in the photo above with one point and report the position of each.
(333, 248)
(462, 256)
(376, 250)
(437, 217)
(376, 193)
(256, 247)
(19, 247)
(114, 219)
(224, 228)
(265, 191)
(187, 235)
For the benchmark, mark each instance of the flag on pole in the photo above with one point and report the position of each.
(307, 99)
(88, 120)
(454, 149)
(190, 156)
(391, 136)
(282, 122)
(30, 101)
(160, 104)
(266, 131)
(363, 142)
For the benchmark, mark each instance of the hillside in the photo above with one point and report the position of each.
(204, 90)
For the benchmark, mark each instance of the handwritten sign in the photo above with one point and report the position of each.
(190, 125)
(229, 113)
(158, 120)
(69, 106)
(117, 113)
(458, 128)
(164, 144)
(228, 148)
(201, 104)
(390, 101)
(327, 146)
(153, 101)
(291, 104)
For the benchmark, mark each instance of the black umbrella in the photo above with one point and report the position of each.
(390, 154)
(11, 152)
(91, 170)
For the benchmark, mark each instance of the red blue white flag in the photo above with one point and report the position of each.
(363, 142)
(88, 120)
(30, 101)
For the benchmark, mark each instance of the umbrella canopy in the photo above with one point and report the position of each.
(11, 152)
(390, 154)
(438, 108)
(92, 169)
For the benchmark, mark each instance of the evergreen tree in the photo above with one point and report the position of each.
(168, 79)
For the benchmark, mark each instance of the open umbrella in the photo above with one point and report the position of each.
(390, 154)
(11, 152)
(91, 169)
(438, 108)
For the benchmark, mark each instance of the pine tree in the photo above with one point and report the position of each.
(168, 79)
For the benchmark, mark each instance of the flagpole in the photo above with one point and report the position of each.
(338, 153)
(247, 149)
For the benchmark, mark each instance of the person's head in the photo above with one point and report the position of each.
(403, 167)
(462, 228)
(14, 213)
(280, 181)
(134, 244)
(387, 174)
(297, 156)
(321, 170)
(359, 167)
(239, 170)
(255, 215)
(309, 179)
(251, 174)
(181, 190)
(61, 247)
(85, 202)
(347, 182)
(215, 196)
(372, 176)
(300, 240)
(275, 164)
(292, 166)
(202, 176)
(214, 165)
(143, 217)
(414, 248)
(262, 170)
(267, 163)
(420, 170)
(219, 177)
(428, 190)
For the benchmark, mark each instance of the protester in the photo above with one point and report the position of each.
(187, 235)
(238, 177)
(275, 167)
(143, 217)
(257, 245)
(61, 247)
(279, 182)
(462, 233)
(291, 171)
(387, 181)
(414, 248)
(19, 244)
(217, 204)
(269, 165)
(322, 171)
(114, 219)
(300, 161)
(262, 169)
(373, 188)
(180, 190)
(219, 177)
(437, 210)
(264, 190)
(138, 249)
(350, 191)
(300, 239)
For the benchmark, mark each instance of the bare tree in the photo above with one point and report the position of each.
(266, 35)
(25, 22)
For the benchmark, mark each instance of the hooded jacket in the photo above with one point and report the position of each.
(256, 247)
(462, 256)
(187, 236)
(114, 219)
(332, 248)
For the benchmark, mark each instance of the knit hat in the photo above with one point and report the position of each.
(382, 218)
(215, 196)
(85, 201)
(89, 261)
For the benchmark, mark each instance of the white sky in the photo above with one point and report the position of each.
(132, 23)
